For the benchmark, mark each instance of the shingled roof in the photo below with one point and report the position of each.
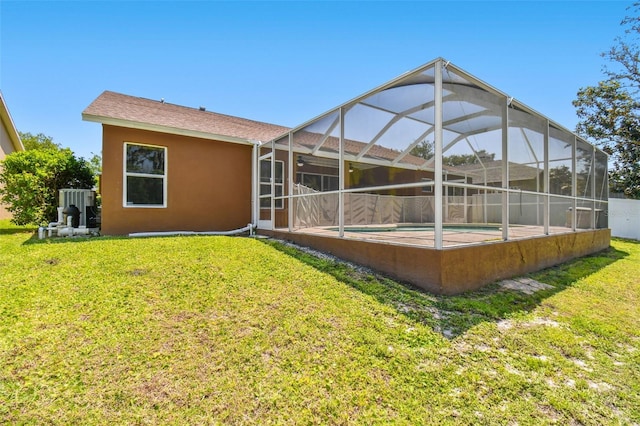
(130, 111)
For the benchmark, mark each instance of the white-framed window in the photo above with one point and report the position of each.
(317, 181)
(428, 188)
(265, 183)
(145, 175)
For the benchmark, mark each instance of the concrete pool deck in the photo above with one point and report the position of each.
(461, 235)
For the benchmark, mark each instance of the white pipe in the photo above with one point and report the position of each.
(65, 232)
(70, 232)
(60, 230)
(249, 228)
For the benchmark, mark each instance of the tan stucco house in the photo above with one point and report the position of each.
(9, 141)
(167, 167)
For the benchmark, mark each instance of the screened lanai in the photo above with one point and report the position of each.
(434, 158)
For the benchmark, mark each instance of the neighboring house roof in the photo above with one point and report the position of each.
(331, 144)
(10, 128)
(140, 113)
(517, 172)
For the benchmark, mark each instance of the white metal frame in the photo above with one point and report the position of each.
(492, 100)
(267, 224)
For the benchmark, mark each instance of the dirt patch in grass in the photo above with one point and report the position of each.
(524, 285)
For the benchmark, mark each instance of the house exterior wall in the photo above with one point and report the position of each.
(6, 147)
(208, 184)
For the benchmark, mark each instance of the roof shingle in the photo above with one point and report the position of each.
(116, 106)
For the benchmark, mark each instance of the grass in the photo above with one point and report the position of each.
(222, 330)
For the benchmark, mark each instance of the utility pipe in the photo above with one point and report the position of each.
(69, 231)
(249, 228)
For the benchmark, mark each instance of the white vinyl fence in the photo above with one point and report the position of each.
(624, 218)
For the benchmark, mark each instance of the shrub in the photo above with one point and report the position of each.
(30, 181)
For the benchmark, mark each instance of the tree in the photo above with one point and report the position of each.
(39, 141)
(423, 150)
(560, 179)
(609, 113)
(30, 181)
(464, 159)
(95, 164)
(426, 150)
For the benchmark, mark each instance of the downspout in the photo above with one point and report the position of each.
(254, 188)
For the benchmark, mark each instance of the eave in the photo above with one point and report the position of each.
(10, 126)
(165, 129)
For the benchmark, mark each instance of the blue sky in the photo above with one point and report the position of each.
(285, 62)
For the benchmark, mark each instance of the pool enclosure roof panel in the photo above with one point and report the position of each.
(394, 124)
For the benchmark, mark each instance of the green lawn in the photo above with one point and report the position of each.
(202, 330)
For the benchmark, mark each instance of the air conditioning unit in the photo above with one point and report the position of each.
(85, 201)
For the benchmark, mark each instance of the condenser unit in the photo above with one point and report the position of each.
(84, 200)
